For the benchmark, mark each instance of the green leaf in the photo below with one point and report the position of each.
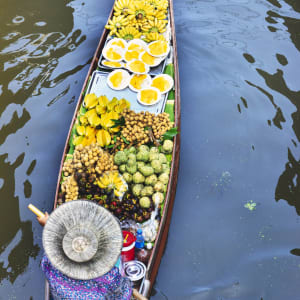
(162, 208)
(82, 111)
(89, 197)
(168, 135)
(124, 139)
(118, 122)
(168, 157)
(73, 134)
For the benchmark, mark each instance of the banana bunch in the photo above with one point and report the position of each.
(140, 10)
(128, 33)
(155, 25)
(134, 18)
(160, 15)
(121, 7)
(113, 181)
(159, 4)
(154, 36)
(116, 23)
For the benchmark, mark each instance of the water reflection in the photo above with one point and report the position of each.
(16, 239)
(34, 36)
(288, 185)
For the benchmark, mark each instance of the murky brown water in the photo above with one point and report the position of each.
(240, 90)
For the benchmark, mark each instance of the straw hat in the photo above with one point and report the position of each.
(82, 239)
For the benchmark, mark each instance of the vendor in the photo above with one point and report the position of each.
(83, 241)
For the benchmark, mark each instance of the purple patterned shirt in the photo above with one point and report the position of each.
(110, 286)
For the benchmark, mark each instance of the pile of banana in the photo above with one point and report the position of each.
(135, 19)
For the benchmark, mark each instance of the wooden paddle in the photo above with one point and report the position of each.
(137, 295)
(36, 211)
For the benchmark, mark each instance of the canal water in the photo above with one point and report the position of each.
(235, 226)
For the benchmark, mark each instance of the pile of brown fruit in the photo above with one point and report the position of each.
(92, 160)
(143, 127)
(85, 188)
(128, 208)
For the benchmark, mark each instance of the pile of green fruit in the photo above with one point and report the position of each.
(146, 171)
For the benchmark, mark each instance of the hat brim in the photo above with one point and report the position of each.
(93, 216)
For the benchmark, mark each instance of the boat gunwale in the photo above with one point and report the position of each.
(162, 235)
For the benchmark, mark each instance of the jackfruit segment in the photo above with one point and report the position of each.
(137, 66)
(135, 47)
(161, 83)
(112, 54)
(119, 43)
(112, 64)
(158, 48)
(137, 80)
(116, 79)
(131, 55)
(148, 59)
(149, 96)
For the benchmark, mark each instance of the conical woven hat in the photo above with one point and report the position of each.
(82, 239)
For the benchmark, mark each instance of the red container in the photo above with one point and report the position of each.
(128, 246)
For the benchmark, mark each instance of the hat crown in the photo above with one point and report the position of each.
(80, 244)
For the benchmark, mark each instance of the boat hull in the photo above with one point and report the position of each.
(161, 240)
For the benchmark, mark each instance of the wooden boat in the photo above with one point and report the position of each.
(161, 239)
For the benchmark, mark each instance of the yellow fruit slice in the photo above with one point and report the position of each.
(148, 59)
(131, 55)
(137, 80)
(116, 79)
(112, 64)
(133, 46)
(149, 96)
(161, 83)
(119, 43)
(158, 48)
(112, 54)
(137, 66)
